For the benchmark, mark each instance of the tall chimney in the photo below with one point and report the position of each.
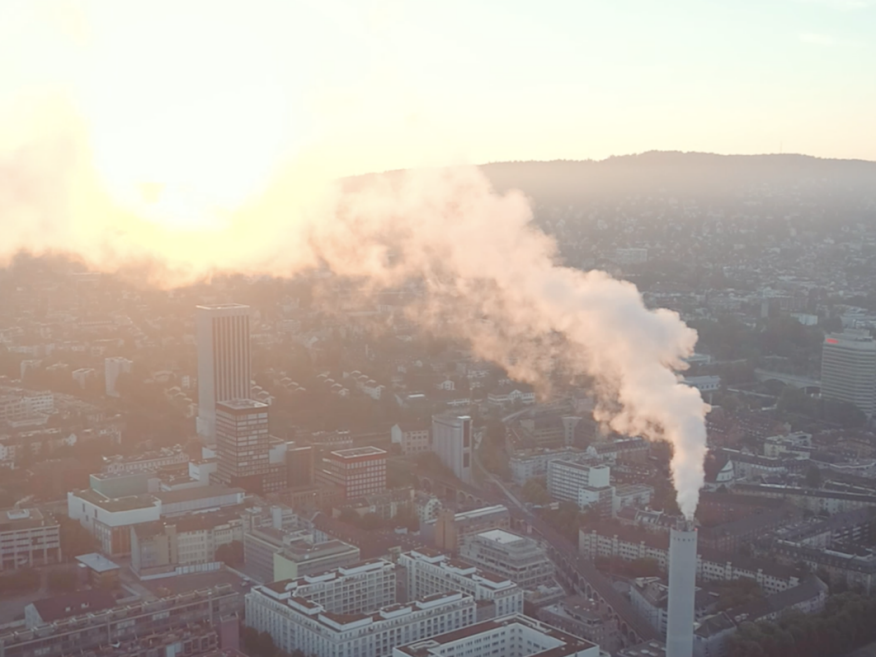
(682, 589)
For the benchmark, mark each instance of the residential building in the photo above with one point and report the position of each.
(582, 617)
(519, 635)
(358, 471)
(848, 369)
(427, 572)
(428, 506)
(345, 590)
(224, 364)
(412, 437)
(451, 529)
(113, 368)
(509, 394)
(243, 443)
(27, 539)
(630, 495)
(300, 624)
(19, 407)
(517, 558)
(126, 624)
(452, 441)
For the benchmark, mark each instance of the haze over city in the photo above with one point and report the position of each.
(394, 329)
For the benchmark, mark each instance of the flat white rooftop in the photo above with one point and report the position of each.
(500, 536)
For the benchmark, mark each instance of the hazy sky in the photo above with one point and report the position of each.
(382, 84)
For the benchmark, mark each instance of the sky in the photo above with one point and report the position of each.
(233, 89)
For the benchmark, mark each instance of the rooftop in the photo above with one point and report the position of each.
(241, 405)
(72, 604)
(97, 562)
(117, 504)
(500, 536)
(17, 519)
(197, 493)
(357, 452)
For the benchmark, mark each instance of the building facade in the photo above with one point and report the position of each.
(358, 471)
(413, 438)
(451, 529)
(224, 366)
(243, 443)
(848, 369)
(27, 539)
(511, 556)
(452, 441)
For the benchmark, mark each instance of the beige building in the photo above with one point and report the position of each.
(159, 547)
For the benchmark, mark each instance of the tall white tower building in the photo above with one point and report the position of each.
(224, 368)
(452, 441)
(848, 369)
(682, 590)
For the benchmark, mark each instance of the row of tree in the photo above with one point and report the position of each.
(845, 624)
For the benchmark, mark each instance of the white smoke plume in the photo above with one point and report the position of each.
(488, 276)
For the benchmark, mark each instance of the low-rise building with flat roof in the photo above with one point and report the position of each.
(28, 538)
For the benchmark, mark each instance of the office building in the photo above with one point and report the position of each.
(300, 624)
(243, 444)
(848, 369)
(224, 367)
(27, 539)
(345, 590)
(526, 464)
(306, 557)
(113, 368)
(510, 556)
(586, 485)
(426, 572)
(451, 529)
(190, 542)
(130, 624)
(520, 636)
(299, 465)
(358, 471)
(452, 441)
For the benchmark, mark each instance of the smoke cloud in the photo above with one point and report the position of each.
(485, 274)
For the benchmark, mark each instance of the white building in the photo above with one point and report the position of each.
(112, 369)
(580, 483)
(299, 624)
(428, 572)
(519, 559)
(703, 383)
(848, 369)
(635, 495)
(413, 438)
(526, 464)
(224, 367)
(18, 406)
(452, 441)
(512, 636)
(346, 590)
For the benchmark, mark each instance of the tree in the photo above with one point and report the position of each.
(62, 580)
(534, 491)
(231, 554)
(813, 476)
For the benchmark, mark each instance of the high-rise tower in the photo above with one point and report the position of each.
(224, 369)
(243, 444)
(848, 369)
(682, 590)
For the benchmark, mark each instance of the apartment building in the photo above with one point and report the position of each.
(19, 407)
(427, 572)
(27, 538)
(517, 558)
(529, 463)
(413, 437)
(124, 624)
(299, 624)
(517, 635)
(345, 590)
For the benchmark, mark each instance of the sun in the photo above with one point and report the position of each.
(187, 116)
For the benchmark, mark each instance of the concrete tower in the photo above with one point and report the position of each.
(682, 589)
(223, 361)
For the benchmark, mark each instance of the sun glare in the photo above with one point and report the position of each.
(183, 130)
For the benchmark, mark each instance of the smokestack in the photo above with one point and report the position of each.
(682, 589)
